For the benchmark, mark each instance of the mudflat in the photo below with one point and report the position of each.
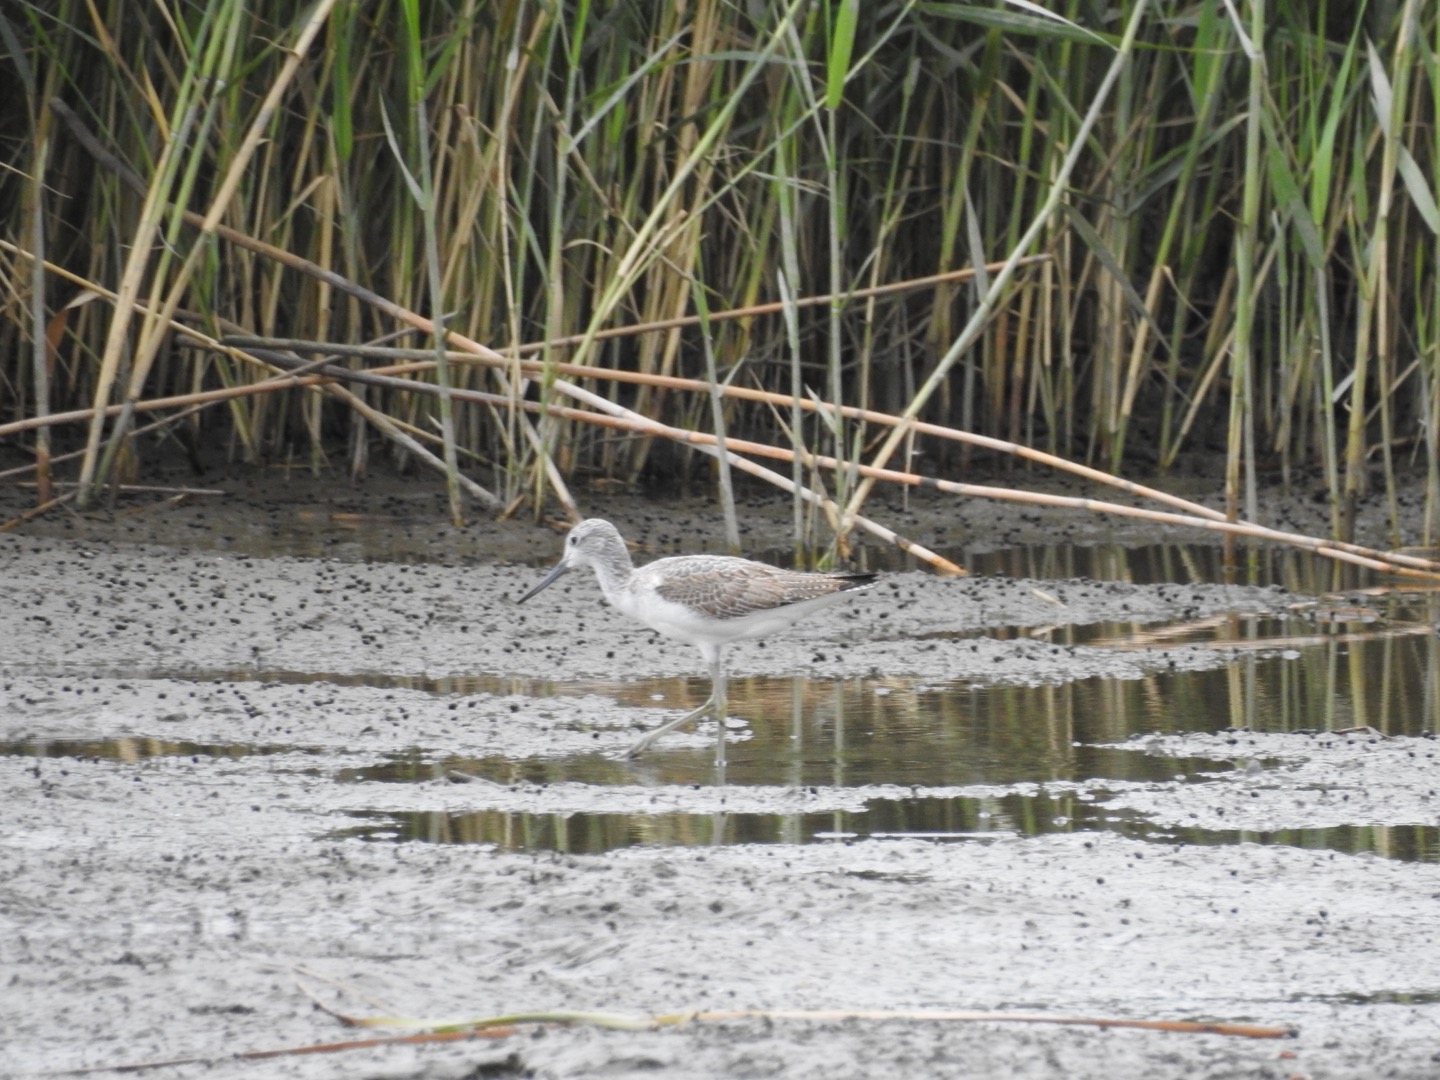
(198, 702)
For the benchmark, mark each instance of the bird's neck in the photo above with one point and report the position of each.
(613, 572)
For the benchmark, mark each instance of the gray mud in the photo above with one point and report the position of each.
(211, 687)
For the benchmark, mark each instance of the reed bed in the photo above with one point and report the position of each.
(1132, 237)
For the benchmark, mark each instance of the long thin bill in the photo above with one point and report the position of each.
(549, 579)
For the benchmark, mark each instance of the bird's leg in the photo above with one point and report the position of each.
(664, 729)
(715, 701)
(717, 695)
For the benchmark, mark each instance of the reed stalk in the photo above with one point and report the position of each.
(997, 287)
(1233, 251)
(422, 190)
(1240, 446)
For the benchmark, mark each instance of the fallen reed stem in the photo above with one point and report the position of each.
(1192, 511)
(1387, 562)
(1197, 516)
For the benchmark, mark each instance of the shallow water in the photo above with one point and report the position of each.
(944, 820)
(944, 760)
(1023, 741)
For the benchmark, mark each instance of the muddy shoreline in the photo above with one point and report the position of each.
(186, 896)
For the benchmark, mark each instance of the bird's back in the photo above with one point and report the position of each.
(718, 598)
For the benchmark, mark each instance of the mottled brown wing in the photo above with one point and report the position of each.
(733, 588)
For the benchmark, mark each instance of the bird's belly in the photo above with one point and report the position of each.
(686, 624)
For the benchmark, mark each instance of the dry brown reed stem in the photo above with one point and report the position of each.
(1195, 1027)
(715, 448)
(426, 1038)
(140, 489)
(506, 1026)
(189, 405)
(283, 381)
(631, 1022)
(1192, 510)
(775, 307)
(35, 511)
